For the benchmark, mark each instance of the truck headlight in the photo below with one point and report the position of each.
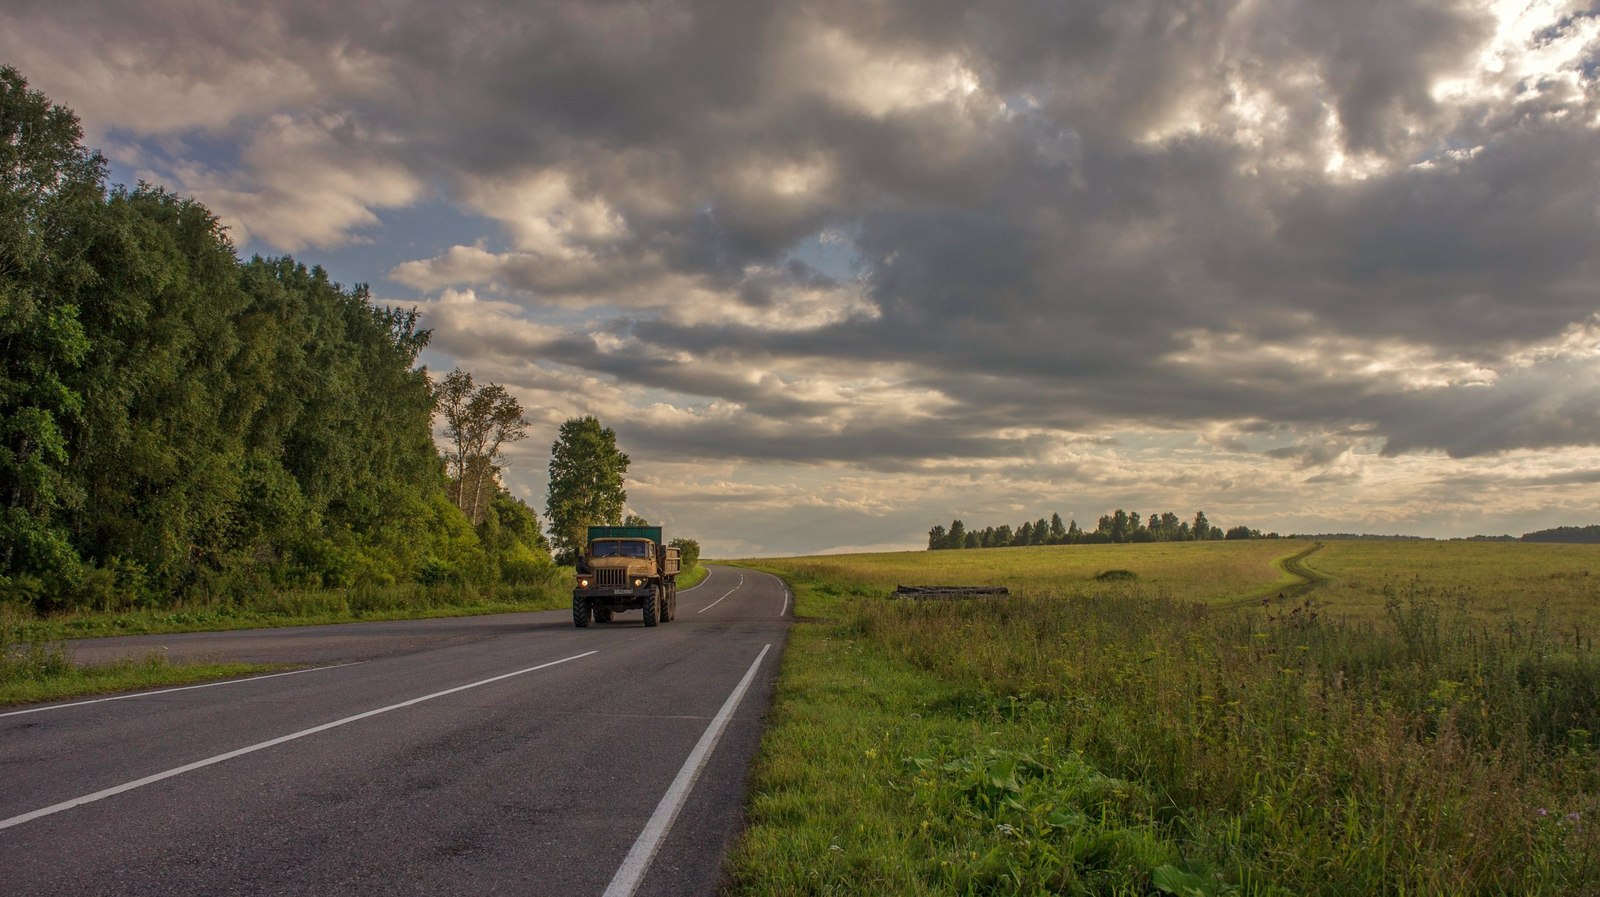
(637, 583)
(583, 583)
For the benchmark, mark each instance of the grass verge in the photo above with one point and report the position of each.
(692, 577)
(298, 608)
(1107, 738)
(877, 777)
(32, 669)
(36, 671)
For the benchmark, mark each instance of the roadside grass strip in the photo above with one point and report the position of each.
(35, 673)
(879, 778)
(164, 691)
(263, 745)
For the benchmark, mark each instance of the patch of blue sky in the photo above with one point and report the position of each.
(132, 155)
(404, 234)
(832, 252)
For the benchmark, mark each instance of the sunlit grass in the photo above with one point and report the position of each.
(1193, 571)
(1489, 581)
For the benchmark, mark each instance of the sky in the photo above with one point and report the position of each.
(839, 271)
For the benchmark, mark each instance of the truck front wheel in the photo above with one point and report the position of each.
(650, 605)
(580, 611)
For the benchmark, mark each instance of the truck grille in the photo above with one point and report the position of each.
(611, 576)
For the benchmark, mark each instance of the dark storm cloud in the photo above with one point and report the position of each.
(1051, 204)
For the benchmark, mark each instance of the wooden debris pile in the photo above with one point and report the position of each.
(918, 592)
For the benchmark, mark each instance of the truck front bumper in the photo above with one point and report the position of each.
(619, 598)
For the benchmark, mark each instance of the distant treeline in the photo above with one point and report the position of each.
(1571, 534)
(177, 423)
(1581, 534)
(1116, 527)
(1361, 537)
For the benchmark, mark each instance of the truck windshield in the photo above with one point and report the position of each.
(621, 549)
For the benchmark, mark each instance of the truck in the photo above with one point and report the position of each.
(624, 568)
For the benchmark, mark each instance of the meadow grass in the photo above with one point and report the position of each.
(1150, 736)
(1488, 581)
(1196, 571)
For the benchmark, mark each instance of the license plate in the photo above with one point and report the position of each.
(622, 591)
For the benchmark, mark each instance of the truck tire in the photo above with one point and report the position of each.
(580, 611)
(650, 605)
(669, 604)
(602, 615)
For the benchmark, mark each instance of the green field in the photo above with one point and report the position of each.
(1419, 718)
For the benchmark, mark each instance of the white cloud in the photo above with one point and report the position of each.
(544, 215)
(309, 180)
(874, 80)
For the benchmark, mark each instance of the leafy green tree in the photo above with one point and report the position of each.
(634, 520)
(1074, 534)
(511, 536)
(1172, 529)
(1202, 527)
(50, 190)
(688, 553)
(958, 534)
(586, 483)
(479, 422)
(1058, 530)
(1023, 535)
(937, 539)
(1041, 532)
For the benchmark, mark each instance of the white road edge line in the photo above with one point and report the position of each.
(210, 761)
(637, 862)
(785, 602)
(719, 600)
(147, 694)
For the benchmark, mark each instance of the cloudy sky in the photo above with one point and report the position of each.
(837, 271)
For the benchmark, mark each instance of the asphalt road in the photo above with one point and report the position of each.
(512, 754)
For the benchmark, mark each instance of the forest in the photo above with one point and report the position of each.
(177, 423)
(1117, 527)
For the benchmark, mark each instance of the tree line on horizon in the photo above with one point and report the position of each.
(1119, 526)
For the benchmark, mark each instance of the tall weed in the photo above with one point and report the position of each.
(1426, 752)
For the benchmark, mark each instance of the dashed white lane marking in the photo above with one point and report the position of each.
(726, 594)
(637, 862)
(163, 691)
(210, 761)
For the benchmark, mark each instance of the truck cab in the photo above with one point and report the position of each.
(625, 568)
